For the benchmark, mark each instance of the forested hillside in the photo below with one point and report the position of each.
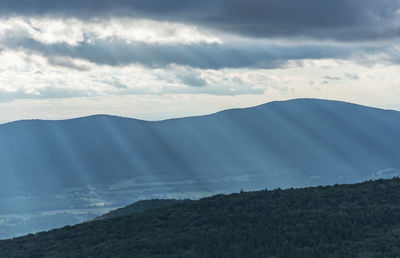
(360, 220)
(136, 207)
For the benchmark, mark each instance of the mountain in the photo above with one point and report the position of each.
(284, 143)
(93, 164)
(136, 207)
(360, 220)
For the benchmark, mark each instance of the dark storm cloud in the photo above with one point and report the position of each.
(321, 19)
(201, 55)
(171, 9)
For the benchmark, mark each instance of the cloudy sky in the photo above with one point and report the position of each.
(156, 59)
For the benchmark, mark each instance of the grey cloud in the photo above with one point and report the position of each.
(97, 8)
(192, 79)
(321, 19)
(221, 90)
(236, 80)
(352, 76)
(218, 90)
(63, 93)
(332, 78)
(115, 83)
(56, 92)
(45, 93)
(200, 55)
(66, 62)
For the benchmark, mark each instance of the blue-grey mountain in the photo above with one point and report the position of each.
(105, 161)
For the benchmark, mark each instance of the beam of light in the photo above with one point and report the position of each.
(129, 151)
(66, 142)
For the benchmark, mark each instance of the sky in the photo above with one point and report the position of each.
(158, 59)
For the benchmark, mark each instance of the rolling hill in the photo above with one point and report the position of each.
(360, 220)
(303, 141)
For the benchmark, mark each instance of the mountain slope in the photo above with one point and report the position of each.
(360, 220)
(296, 142)
(82, 167)
(136, 207)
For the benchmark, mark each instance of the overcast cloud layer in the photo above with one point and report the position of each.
(198, 56)
(340, 19)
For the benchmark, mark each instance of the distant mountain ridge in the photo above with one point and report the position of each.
(108, 161)
(296, 137)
